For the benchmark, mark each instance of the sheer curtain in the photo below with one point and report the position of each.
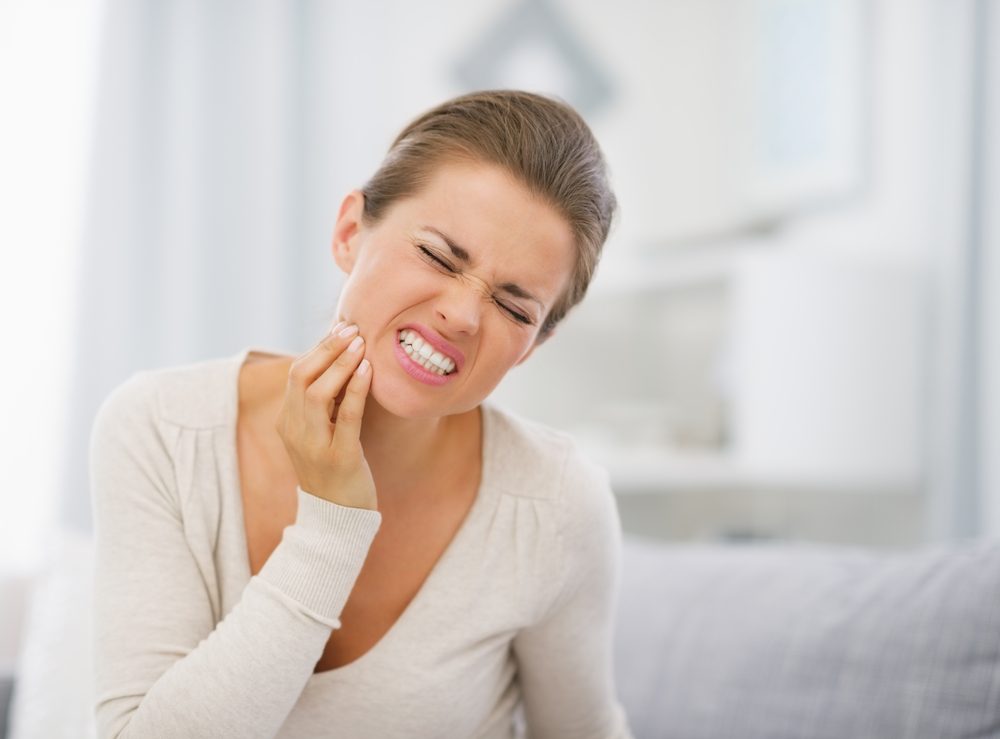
(47, 73)
(218, 164)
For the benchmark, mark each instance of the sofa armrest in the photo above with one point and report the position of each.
(6, 688)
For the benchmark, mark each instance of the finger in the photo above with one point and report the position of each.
(314, 362)
(336, 402)
(347, 434)
(332, 384)
(309, 366)
(321, 394)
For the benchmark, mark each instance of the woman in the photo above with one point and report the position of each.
(351, 543)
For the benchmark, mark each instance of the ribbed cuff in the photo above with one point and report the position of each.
(321, 554)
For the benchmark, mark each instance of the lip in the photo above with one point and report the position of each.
(417, 372)
(438, 343)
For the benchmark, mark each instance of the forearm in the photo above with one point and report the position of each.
(236, 683)
(157, 676)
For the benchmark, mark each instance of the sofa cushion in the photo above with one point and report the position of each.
(799, 640)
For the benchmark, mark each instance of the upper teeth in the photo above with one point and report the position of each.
(423, 353)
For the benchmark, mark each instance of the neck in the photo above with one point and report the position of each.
(400, 451)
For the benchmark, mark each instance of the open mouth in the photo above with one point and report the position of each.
(424, 354)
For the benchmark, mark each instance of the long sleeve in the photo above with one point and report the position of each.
(164, 668)
(565, 660)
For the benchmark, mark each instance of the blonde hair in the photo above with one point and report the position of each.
(542, 142)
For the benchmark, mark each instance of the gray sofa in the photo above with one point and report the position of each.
(797, 641)
(752, 641)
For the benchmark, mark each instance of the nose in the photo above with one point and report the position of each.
(460, 305)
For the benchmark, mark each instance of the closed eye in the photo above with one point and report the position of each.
(428, 254)
(520, 318)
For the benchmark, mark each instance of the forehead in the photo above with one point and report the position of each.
(508, 231)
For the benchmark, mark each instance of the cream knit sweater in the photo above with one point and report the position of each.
(511, 631)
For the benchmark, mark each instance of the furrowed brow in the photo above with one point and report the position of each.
(463, 256)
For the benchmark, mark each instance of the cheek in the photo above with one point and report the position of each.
(511, 355)
(346, 303)
(356, 301)
(378, 291)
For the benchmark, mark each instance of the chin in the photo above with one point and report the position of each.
(401, 397)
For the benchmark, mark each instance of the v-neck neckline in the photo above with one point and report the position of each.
(475, 510)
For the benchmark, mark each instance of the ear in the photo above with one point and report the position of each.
(534, 346)
(346, 232)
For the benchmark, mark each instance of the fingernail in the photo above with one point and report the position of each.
(356, 344)
(352, 329)
(363, 367)
(337, 327)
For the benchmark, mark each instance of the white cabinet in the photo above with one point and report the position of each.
(824, 370)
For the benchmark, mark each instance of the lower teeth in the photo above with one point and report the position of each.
(430, 367)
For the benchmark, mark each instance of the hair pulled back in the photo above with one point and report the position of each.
(541, 141)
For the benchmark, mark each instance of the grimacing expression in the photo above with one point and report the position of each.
(474, 259)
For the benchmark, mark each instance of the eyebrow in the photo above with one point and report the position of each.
(463, 256)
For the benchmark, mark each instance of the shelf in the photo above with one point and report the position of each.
(668, 471)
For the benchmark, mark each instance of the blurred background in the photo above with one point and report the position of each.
(795, 330)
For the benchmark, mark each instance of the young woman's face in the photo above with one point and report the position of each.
(471, 265)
